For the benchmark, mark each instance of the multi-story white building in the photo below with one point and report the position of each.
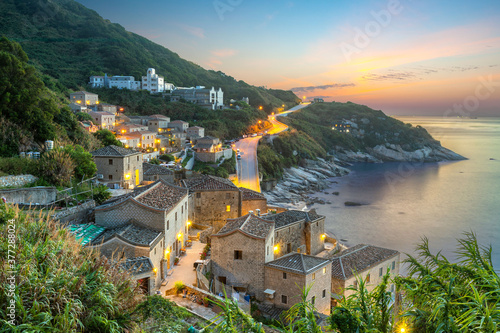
(84, 98)
(105, 120)
(153, 82)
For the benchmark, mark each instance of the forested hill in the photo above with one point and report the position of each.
(68, 42)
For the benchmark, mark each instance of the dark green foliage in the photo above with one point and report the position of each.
(107, 138)
(161, 314)
(68, 49)
(223, 170)
(343, 321)
(18, 166)
(101, 194)
(270, 163)
(167, 158)
(82, 116)
(317, 121)
(155, 161)
(56, 167)
(84, 164)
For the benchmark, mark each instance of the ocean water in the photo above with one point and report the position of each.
(440, 201)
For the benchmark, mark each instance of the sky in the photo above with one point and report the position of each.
(404, 57)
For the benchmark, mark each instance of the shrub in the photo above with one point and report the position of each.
(101, 194)
(85, 166)
(179, 286)
(57, 167)
(167, 157)
(18, 166)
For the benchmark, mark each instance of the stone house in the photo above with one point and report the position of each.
(89, 126)
(134, 240)
(180, 125)
(204, 97)
(214, 200)
(286, 277)
(118, 166)
(195, 132)
(103, 119)
(239, 251)
(84, 97)
(153, 172)
(147, 138)
(252, 201)
(142, 270)
(78, 107)
(129, 141)
(298, 231)
(157, 123)
(209, 149)
(107, 108)
(364, 261)
(161, 207)
(127, 128)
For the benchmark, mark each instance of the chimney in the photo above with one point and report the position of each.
(258, 212)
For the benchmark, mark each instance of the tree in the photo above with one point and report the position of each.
(85, 166)
(82, 116)
(56, 167)
(107, 138)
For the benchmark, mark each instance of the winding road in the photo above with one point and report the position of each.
(247, 166)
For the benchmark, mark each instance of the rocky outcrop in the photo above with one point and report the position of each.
(300, 182)
(17, 181)
(395, 153)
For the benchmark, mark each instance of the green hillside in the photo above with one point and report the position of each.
(68, 42)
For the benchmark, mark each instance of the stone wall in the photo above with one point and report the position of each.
(289, 287)
(83, 213)
(321, 280)
(316, 229)
(30, 195)
(292, 234)
(210, 207)
(120, 214)
(209, 157)
(249, 270)
(253, 205)
(18, 181)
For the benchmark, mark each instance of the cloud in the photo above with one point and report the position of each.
(327, 86)
(415, 73)
(224, 53)
(192, 30)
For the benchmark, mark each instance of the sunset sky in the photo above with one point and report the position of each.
(403, 57)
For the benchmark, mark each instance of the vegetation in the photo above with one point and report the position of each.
(289, 149)
(30, 113)
(67, 50)
(61, 286)
(107, 138)
(374, 127)
(226, 168)
(167, 158)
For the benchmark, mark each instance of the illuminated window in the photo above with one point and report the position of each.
(228, 208)
(368, 278)
(324, 270)
(314, 276)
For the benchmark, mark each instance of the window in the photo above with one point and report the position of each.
(324, 270)
(380, 271)
(110, 162)
(324, 293)
(313, 300)
(168, 224)
(238, 255)
(393, 265)
(137, 158)
(284, 299)
(182, 209)
(268, 250)
(228, 208)
(155, 250)
(110, 177)
(314, 276)
(355, 284)
(368, 278)
(198, 195)
(284, 276)
(176, 216)
(288, 247)
(228, 195)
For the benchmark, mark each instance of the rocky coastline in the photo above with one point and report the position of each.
(299, 184)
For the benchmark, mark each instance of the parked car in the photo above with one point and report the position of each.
(239, 157)
(254, 135)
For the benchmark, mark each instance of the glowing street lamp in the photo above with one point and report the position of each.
(260, 107)
(260, 121)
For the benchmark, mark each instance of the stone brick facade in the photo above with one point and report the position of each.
(253, 205)
(211, 207)
(247, 271)
(126, 171)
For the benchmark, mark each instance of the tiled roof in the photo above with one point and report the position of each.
(195, 128)
(138, 265)
(249, 224)
(158, 117)
(298, 263)
(247, 194)
(130, 232)
(292, 216)
(102, 113)
(209, 183)
(203, 146)
(357, 259)
(141, 132)
(154, 169)
(113, 151)
(84, 92)
(162, 195)
(178, 122)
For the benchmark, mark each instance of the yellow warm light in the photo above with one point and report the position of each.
(79, 102)
(323, 236)
(304, 97)
(113, 124)
(159, 129)
(260, 107)
(154, 270)
(276, 248)
(179, 235)
(88, 102)
(188, 222)
(272, 114)
(103, 124)
(126, 146)
(163, 148)
(138, 145)
(97, 102)
(167, 251)
(156, 149)
(127, 176)
(260, 122)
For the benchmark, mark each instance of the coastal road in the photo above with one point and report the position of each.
(248, 170)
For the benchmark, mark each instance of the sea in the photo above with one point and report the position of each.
(404, 202)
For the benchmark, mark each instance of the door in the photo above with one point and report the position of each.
(137, 181)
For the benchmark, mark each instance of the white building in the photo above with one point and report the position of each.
(153, 82)
(124, 82)
(97, 81)
(204, 97)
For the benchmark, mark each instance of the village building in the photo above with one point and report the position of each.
(105, 120)
(84, 98)
(298, 231)
(239, 251)
(129, 141)
(126, 128)
(209, 149)
(214, 200)
(160, 208)
(107, 108)
(153, 82)
(153, 172)
(118, 167)
(123, 82)
(286, 277)
(195, 132)
(362, 261)
(158, 123)
(180, 125)
(252, 201)
(78, 107)
(147, 138)
(204, 97)
(89, 126)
